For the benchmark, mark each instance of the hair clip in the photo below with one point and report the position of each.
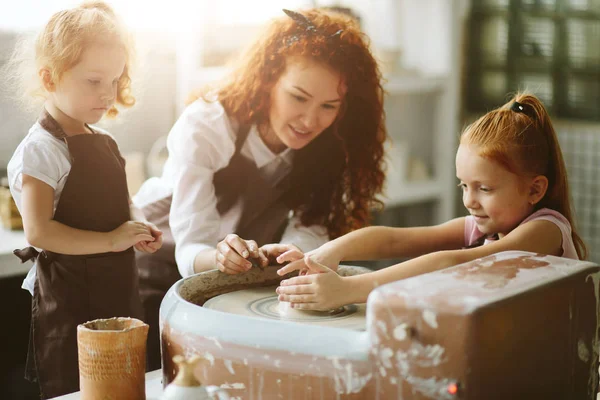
(309, 27)
(338, 33)
(518, 107)
(301, 20)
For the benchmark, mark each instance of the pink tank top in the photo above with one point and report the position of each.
(472, 233)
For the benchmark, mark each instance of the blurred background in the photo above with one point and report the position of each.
(445, 62)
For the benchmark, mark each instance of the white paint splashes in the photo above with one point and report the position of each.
(382, 372)
(431, 356)
(385, 357)
(419, 356)
(261, 385)
(431, 388)
(229, 366)
(216, 342)
(570, 311)
(430, 318)
(346, 380)
(401, 332)
(582, 351)
(210, 358)
(382, 327)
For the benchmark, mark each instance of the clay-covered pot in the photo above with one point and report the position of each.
(112, 359)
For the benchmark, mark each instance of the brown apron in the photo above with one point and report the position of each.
(263, 219)
(69, 289)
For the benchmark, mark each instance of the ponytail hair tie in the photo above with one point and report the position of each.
(523, 109)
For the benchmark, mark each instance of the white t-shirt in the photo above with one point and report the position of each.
(43, 157)
(201, 142)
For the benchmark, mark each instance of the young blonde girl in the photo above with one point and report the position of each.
(514, 184)
(68, 181)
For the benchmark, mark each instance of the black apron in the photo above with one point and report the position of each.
(264, 218)
(72, 289)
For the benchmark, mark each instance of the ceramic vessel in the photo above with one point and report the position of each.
(112, 359)
(185, 386)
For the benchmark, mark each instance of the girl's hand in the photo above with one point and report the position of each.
(296, 260)
(234, 254)
(152, 246)
(325, 290)
(129, 234)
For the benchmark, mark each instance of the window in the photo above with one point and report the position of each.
(548, 47)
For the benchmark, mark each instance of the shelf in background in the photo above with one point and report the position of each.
(412, 192)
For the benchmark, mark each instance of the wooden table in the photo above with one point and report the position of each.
(154, 388)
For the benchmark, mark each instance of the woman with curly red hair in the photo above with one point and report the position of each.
(287, 153)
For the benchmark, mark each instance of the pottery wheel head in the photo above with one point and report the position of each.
(263, 303)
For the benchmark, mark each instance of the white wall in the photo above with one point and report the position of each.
(136, 129)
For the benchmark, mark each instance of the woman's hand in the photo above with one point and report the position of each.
(129, 234)
(235, 255)
(273, 252)
(324, 290)
(151, 246)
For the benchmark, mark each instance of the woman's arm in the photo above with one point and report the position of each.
(42, 231)
(201, 142)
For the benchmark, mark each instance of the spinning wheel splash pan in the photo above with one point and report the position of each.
(186, 308)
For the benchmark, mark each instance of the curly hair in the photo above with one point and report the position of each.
(59, 46)
(337, 175)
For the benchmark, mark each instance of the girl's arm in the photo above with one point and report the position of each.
(539, 236)
(42, 231)
(381, 242)
(329, 290)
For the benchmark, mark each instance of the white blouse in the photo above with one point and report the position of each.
(201, 142)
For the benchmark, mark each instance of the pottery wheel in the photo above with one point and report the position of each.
(263, 303)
